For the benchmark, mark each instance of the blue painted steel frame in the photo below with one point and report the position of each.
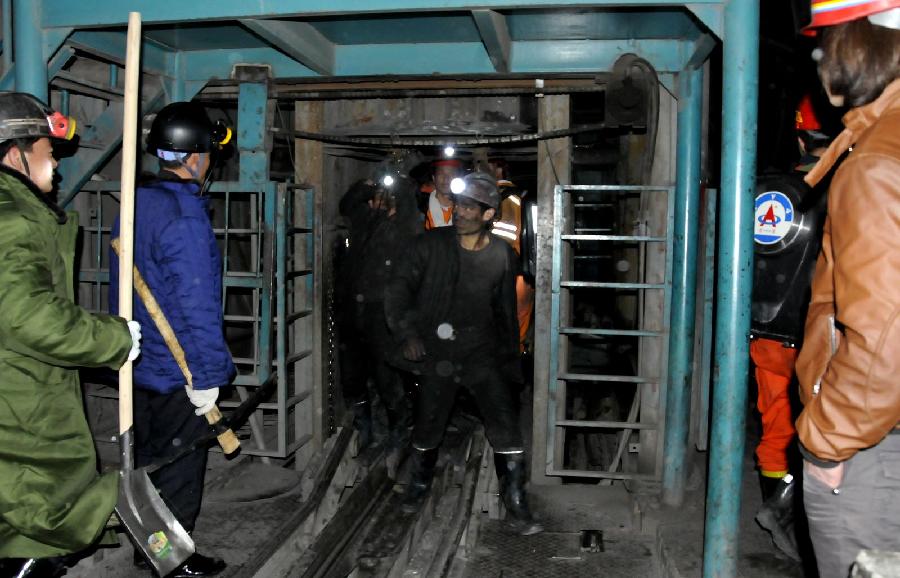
(28, 44)
(556, 401)
(41, 26)
(684, 284)
(740, 81)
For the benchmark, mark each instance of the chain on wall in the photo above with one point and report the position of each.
(331, 337)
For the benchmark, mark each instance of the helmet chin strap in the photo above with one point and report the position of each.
(24, 160)
(195, 174)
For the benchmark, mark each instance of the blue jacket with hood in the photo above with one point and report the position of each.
(175, 251)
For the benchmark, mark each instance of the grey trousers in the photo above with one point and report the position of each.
(863, 513)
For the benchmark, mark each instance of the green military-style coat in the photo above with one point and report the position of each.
(52, 500)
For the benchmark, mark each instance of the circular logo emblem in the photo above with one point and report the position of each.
(773, 219)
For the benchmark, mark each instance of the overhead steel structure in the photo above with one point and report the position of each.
(188, 44)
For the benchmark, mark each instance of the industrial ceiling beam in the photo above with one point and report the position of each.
(298, 40)
(700, 51)
(96, 13)
(710, 15)
(110, 45)
(57, 63)
(495, 36)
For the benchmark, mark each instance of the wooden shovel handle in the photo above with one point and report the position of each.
(227, 440)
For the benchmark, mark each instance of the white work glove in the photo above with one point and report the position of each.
(203, 399)
(135, 329)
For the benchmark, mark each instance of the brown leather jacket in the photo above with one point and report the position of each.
(849, 366)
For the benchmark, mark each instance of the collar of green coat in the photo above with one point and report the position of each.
(42, 197)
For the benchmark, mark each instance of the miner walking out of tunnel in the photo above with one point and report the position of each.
(383, 223)
(452, 304)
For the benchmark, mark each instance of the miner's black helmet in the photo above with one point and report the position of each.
(185, 127)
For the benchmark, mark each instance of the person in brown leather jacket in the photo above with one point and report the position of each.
(849, 365)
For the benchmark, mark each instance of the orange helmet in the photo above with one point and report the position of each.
(806, 115)
(831, 12)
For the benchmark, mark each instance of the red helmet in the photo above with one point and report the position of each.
(831, 12)
(806, 115)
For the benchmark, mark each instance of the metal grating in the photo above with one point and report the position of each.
(610, 301)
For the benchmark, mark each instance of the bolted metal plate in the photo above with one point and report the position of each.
(501, 553)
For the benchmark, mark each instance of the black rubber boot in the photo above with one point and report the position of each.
(362, 423)
(421, 472)
(776, 515)
(511, 474)
(768, 486)
(33, 567)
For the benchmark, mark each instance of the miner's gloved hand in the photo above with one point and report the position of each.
(413, 349)
(203, 399)
(134, 328)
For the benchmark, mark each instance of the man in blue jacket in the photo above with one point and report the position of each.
(175, 250)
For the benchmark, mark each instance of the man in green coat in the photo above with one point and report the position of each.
(52, 500)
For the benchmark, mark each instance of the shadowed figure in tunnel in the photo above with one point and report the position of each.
(383, 223)
(452, 305)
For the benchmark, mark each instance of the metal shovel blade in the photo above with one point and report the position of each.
(160, 537)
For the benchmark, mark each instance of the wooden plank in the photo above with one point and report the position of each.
(554, 167)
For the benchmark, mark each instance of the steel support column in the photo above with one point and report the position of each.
(740, 83)
(6, 8)
(252, 134)
(684, 284)
(28, 44)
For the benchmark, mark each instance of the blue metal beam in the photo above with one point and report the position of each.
(740, 82)
(684, 285)
(709, 14)
(701, 49)
(6, 13)
(110, 45)
(252, 134)
(435, 58)
(53, 39)
(102, 140)
(57, 63)
(217, 64)
(298, 40)
(594, 55)
(96, 13)
(31, 69)
(495, 36)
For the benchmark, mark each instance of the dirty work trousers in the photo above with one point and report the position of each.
(774, 372)
(364, 345)
(164, 423)
(492, 395)
(864, 513)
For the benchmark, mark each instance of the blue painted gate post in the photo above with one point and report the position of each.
(28, 44)
(740, 83)
(684, 284)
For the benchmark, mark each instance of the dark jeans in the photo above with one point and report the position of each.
(163, 425)
(493, 396)
(365, 343)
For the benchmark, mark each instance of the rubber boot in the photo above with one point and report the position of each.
(421, 472)
(776, 515)
(398, 441)
(33, 568)
(511, 474)
(362, 423)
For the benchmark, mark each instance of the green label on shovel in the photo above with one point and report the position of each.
(158, 543)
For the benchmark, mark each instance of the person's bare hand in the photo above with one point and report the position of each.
(831, 477)
(413, 349)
